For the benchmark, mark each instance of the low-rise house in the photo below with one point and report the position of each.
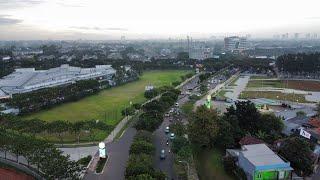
(259, 162)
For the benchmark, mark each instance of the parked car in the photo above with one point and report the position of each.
(172, 136)
(162, 154)
(167, 130)
(171, 110)
(177, 104)
(167, 115)
(170, 119)
(188, 93)
(199, 94)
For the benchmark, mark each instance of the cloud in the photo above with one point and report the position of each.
(5, 20)
(99, 29)
(314, 18)
(13, 4)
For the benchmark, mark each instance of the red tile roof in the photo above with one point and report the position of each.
(315, 122)
(247, 140)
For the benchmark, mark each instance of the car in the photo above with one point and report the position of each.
(166, 114)
(162, 154)
(177, 104)
(172, 136)
(167, 130)
(171, 110)
(309, 93)
(229, 100)
(170, 119)
(199, 94)
(188, 93)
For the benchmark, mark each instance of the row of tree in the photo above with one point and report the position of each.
(58, 128)
(44, 98)
(299, 63)
(49, 161)
(139, 165)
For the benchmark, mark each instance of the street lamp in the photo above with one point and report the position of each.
(188, 168)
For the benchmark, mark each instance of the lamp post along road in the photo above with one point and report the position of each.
(188, 168)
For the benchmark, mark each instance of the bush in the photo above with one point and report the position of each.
(176, 83)
(185, 152)
(178, 128)
(101, 164)
(139, 147)
(143, 135)
(85, 160)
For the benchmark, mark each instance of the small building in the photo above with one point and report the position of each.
(259, 162)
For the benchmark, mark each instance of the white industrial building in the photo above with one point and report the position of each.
(29, 79)
(235, 43)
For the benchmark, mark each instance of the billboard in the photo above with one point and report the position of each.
(305, 134)
(102, 150)
(148, 88)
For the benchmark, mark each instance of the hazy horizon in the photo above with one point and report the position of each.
(147, 19)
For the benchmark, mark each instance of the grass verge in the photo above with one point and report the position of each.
(209, 164)
(222, 93)
(233, 83)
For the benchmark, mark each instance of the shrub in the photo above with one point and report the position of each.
(139, 147)
(85, 160)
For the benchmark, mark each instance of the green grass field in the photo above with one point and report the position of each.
(233, 83)
(272, 95)
(107, 104)
(264, 83)
(260, 77)
(222, 93)
(210, 164)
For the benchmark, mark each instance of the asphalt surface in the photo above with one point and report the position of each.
(160, 137)
(118, 152)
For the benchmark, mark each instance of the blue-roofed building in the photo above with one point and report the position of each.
(259, 162)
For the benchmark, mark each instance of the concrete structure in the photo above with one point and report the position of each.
(235, 43)
(259, 162)
(200, 53)
(29, 79)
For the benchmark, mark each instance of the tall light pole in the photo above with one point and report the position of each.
(188, 168)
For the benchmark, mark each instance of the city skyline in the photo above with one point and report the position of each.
(143, 19)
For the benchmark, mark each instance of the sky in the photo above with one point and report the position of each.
(111, 19)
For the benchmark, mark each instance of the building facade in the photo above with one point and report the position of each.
(235, 43)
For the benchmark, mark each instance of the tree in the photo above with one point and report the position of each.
(203, 127)
(298, 152)
(247, 115)
(143, 136)
(178, 128)
(139, 147)
(300, 113)
(93, 125)
(178, 143)
(203, 88)
(129, 111)
(270, 123)
(151, 93)
(183, 56)
(137, 106)
(76, 127)
(58, 127)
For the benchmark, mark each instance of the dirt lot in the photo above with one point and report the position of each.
(7, 174)
(304, 85)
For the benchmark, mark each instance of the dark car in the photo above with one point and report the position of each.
(162, 155)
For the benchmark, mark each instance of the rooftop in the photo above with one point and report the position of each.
(261, 155)
(247, 140)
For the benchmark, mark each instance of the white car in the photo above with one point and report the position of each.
(167, 115)
(188, 93)
(199, 94)
(171, 110)
(177, 104)
(172, 136)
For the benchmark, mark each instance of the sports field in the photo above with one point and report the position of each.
(107, 105)
(292, 84)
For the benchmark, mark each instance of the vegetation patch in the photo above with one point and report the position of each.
(292, 84)
(222, 93)
(233, 82)
(101, 164)
(85, 160)
(260, 77)
(273, 95)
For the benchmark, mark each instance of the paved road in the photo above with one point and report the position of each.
(160, 137)
(119, 154)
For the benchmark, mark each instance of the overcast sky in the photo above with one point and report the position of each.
(109, 19)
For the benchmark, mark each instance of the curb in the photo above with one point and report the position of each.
(103, 167)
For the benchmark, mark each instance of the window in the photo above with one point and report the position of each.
(259, 175)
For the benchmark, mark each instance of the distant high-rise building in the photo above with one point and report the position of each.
(314, 36)
(308, 36)
(296, 35)
(248, 36)
(188, 43)
(276, 36)
(123, 38)
(235, 43)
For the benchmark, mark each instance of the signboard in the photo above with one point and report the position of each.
(305, 134)
(102, 150)
(208, 102)
(148, 88)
